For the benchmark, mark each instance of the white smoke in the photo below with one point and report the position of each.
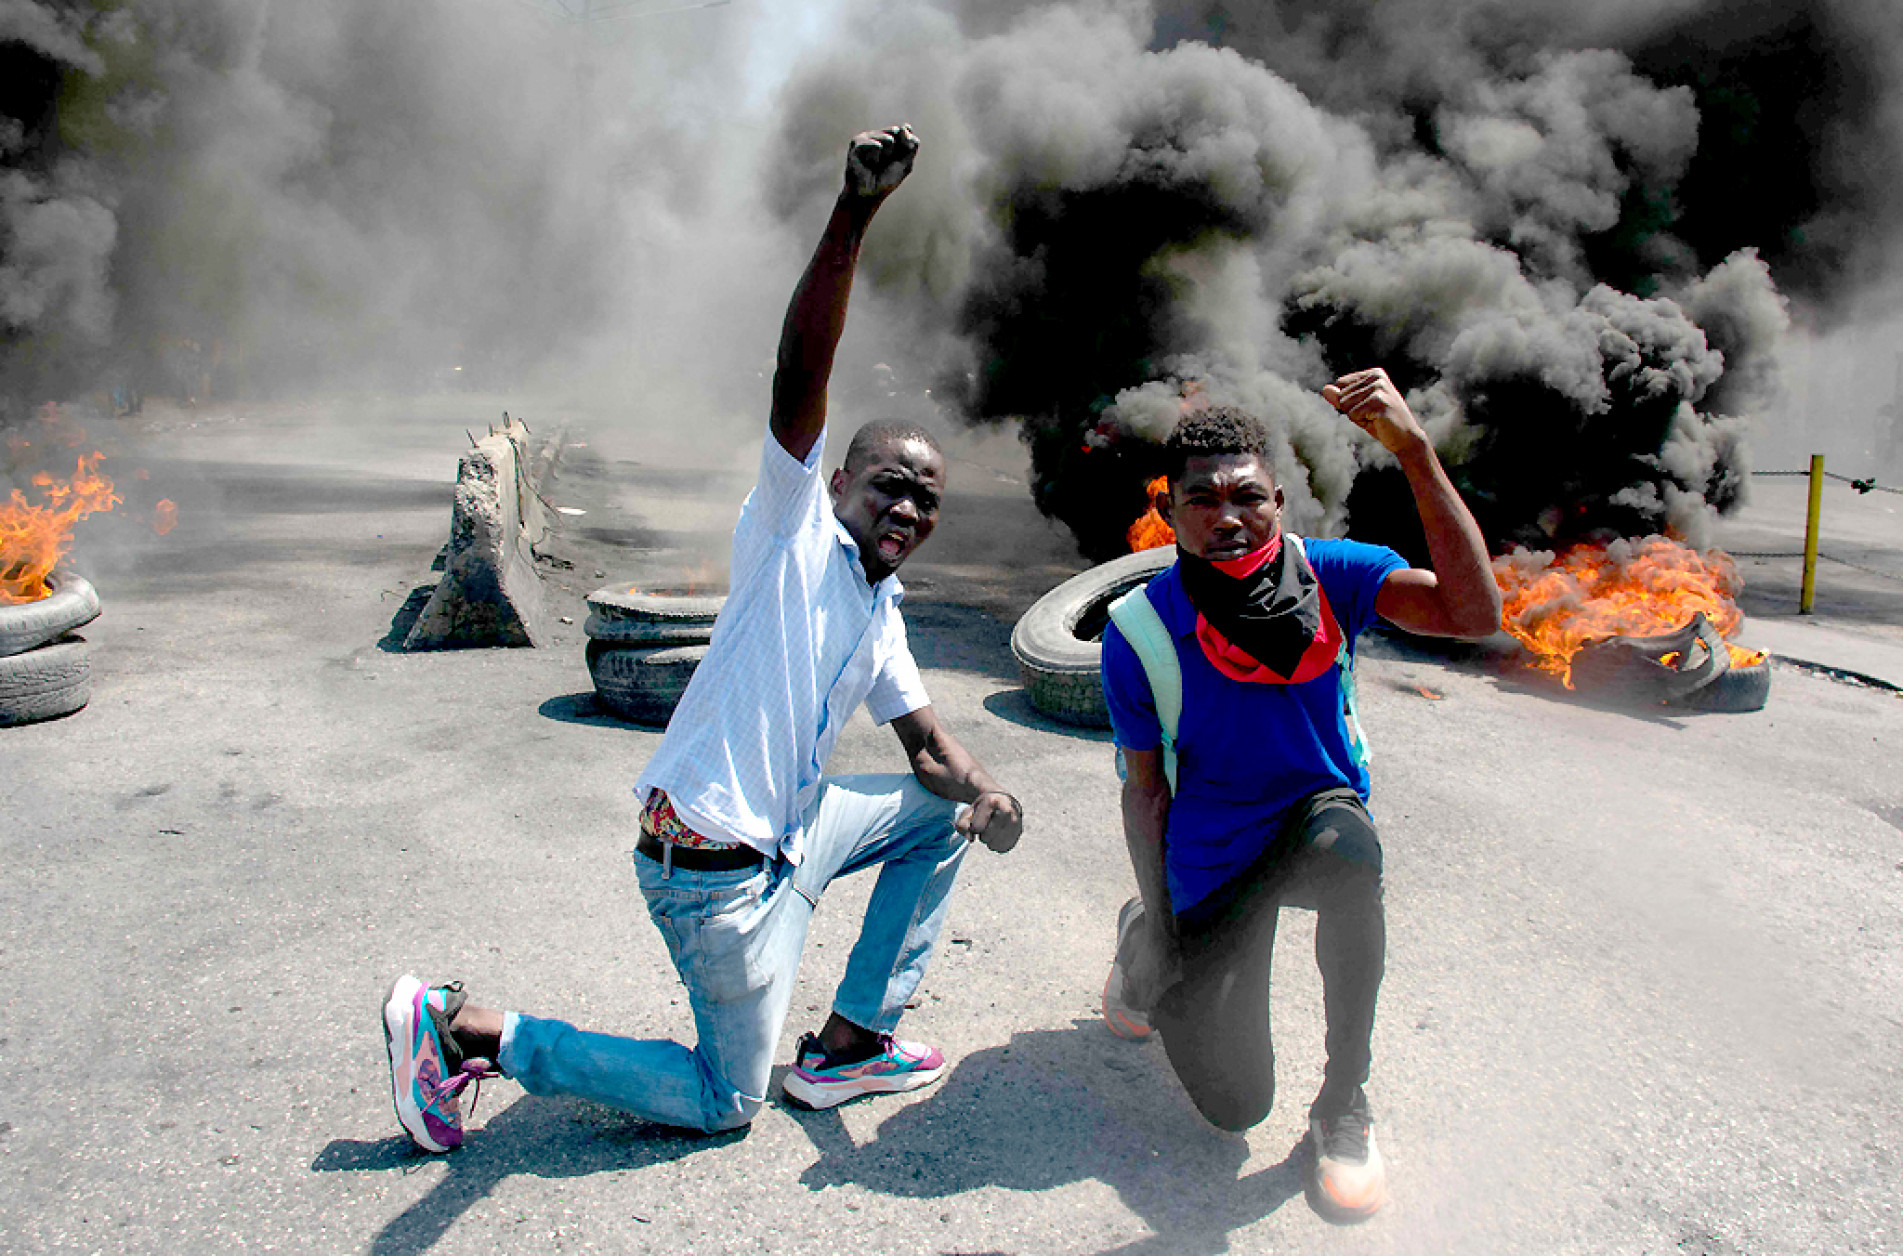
(351, 193)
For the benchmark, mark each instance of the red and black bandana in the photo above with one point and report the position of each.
(1262, 618)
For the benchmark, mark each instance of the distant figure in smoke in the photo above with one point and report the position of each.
(740, 834)
(1255, 797)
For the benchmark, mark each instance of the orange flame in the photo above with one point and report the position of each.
(1149, 531)
(34, 537)
(1557, 606)
(164, 516)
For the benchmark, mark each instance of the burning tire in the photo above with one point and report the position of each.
(72, 604)
(1059, 641)
(1689, 668)
(1743, 687)
(643, 685)
(45, 683)
(1669, 667)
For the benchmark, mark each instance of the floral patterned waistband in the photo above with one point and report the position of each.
(659, 822)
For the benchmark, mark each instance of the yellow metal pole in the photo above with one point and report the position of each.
(1809, 595)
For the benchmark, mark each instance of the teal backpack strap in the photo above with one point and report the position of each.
(1351, 710)
(1136, 618)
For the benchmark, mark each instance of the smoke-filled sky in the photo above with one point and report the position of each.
(1580, 234)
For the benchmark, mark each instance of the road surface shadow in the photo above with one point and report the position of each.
(532, 1136)
(1014, 707)
(947, 636)
(405, 619)
(1054, 1107)
(582, 708)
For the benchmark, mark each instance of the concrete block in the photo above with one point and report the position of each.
(489, 594)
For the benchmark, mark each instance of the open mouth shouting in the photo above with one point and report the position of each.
(894, 544)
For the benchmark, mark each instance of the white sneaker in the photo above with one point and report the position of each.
(1347, 1180)
(1124, 1019)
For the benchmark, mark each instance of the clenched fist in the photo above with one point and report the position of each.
(994, 819)
(1373, 404)
(878, 161)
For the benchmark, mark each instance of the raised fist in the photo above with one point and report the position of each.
(878, 161)
(1373, 404)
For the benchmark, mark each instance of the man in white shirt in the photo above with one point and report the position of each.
(740, 831)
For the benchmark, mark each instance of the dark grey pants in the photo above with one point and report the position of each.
(1214, 1020)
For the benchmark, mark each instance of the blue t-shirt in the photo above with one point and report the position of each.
(1246, 753)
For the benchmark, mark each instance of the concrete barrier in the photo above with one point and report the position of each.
(489, 594)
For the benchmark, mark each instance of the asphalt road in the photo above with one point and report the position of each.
(1641, 992)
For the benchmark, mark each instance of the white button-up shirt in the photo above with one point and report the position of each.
(802, 640)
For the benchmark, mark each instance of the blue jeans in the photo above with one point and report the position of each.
(735, 938)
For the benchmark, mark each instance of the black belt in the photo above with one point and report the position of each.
(698, 858)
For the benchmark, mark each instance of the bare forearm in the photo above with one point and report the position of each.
(1454, 544)
(942, 766)
(815, 320)
(1145, 818)
(947, 769)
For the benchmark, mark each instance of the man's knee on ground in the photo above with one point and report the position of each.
(1231, 1091)
(732, 1113)
(1234, 1109)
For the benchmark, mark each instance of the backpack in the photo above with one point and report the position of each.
(1137, 619)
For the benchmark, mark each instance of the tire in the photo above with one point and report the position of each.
(72, 604)
(1059, 641)
(642, 632)
(650, 618)
(1742, 688)
(642, 684)
(46, 683)
(1632, 669)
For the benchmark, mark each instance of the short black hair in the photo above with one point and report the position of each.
(878, 434)
(1213, 432)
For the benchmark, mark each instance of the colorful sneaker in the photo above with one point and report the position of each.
(1347, 1181)
(427, 1068)
(1120, 1013)
(814, 1083)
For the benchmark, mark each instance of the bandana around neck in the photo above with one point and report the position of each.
(1262, 618)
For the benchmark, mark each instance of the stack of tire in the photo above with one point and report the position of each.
(643, 649)
(43, 669)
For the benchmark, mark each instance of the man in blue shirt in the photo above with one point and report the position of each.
(1267, 806)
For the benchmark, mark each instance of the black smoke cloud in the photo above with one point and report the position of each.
(1800, 137)
(1522, 212)
(57, 229)
(1566, 228)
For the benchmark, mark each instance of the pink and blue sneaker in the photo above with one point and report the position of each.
(427, 1069)
(815, 1081)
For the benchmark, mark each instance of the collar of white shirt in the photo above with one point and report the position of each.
(888, 587)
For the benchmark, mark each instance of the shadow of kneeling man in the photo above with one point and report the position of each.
(1061, 1106)
(545, 1138)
